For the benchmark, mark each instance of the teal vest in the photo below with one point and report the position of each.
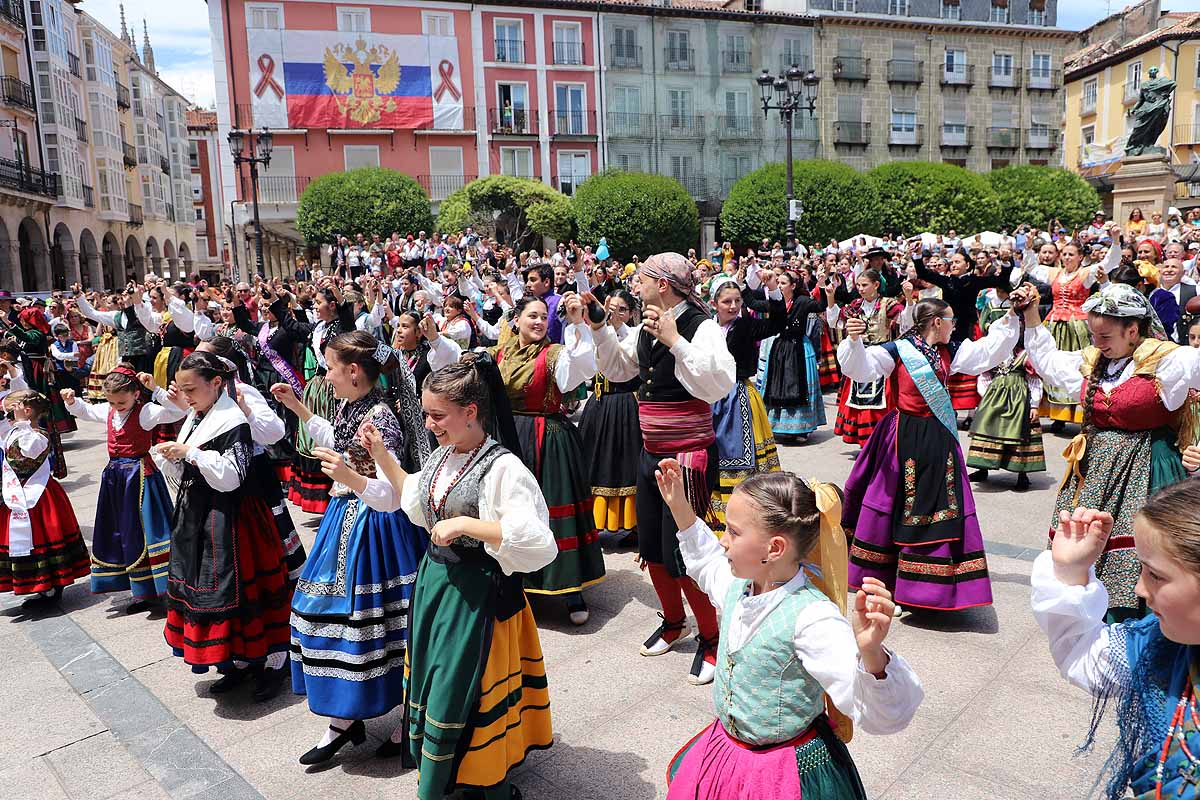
(763, 694)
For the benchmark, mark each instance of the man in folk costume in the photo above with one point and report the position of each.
(684, 365)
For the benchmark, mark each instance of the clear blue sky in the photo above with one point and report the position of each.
(1078, 14)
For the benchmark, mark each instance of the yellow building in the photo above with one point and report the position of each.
(1102, 86)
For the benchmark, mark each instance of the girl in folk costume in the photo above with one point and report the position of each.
(745, 443)
(793, 672)
(820, 334)
(166, 313)
(908, 500)
(227, 587)
(309, 486)
(1070, 284)
(406, 374)
(478, 702)
(610, 432)
(536, 375)
(1147, 667)
(41, 548)
(1006, 432)
(1134, 388)
(350, 608)
(788, 369)
(862, 404)
(131, 540)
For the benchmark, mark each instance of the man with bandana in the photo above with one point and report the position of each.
(684, 365)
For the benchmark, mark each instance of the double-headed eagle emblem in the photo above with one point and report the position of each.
(359, 76)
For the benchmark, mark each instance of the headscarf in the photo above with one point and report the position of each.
(676, 270)
(1126, 302)
(1158, 251)
(34, 318)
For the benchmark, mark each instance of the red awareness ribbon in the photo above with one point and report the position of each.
(446, 71)
(266, 65)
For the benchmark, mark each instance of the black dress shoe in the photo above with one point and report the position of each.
(356, 733)
(269, 682)
(391, 749)
(1022, 482)
(44, 598)
(230, 680)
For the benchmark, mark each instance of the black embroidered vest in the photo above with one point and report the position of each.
(657, 364)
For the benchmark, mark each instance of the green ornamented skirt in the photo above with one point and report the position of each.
(1118, 472)
(1002, 436)
(1070, 336)
(308, 487)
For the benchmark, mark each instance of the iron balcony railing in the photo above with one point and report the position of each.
(679, 59)
(439, 187)
(954, 135)
(510, 51)
(122, 95)
(904, 71)
(13, 12)
(80, 129)
(852, 132)
(1003, 138)
(688, 126)
(958, 74)
(1004, 77)
(136, 217)
(739, 127)
(128, 154)
(164, 164)
(17, 93)
(1087, 105)
(568, 53)
(511, 121)
(630, 125)
(25, 178)
(574, 123)
(1043, 79)
(73, 64)
(89, 196)
(851, 68)
(1041, 138)
(906, 135)
(735, 60)
(624, 56)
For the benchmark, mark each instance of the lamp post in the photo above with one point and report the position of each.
(794, 90)
(259, 153)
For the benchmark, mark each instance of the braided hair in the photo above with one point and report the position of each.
(787, 507)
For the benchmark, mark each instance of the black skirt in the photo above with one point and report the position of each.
(612, 441)
(787, 377)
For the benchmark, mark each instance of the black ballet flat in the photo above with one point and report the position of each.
(230, 680)
(43, 599)
(269, 682)
(356, 733)
(390, 749)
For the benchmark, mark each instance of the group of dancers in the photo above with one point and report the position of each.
(456, 477)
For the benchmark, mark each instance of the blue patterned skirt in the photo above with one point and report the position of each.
(350, 610)
(794, 420)
(131, 541)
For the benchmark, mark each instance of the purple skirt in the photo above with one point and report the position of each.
(946, 575)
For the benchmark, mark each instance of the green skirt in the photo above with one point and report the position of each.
(1002, 437)
(1069, 336)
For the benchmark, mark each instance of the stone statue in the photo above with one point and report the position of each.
(1150, 115)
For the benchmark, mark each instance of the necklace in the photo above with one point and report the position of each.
(439, 507)
(1113, 370)
(1190, 774)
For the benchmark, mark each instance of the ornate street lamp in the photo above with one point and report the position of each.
(260, 144)
(794, 90)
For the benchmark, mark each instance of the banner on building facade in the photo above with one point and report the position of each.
(339, 79)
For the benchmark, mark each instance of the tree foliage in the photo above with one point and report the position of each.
(638, 214)
(838, 203)
(514, 210)
(368, 200)
(920, 196)
(1036, 195)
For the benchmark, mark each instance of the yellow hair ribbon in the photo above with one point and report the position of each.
(832, 556)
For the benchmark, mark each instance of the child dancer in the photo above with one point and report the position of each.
(786, 651)
(131, 540)
(41, 549)
(1148, 665)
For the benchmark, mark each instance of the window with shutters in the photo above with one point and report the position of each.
(264, 17)
(737, 113)
(359, 155)
(628, 162)
(954, 120)
(902, 128)
(798, 52)
(679, 51)
(625, 43)
(680, 103)
(999, 14)
(354, 20)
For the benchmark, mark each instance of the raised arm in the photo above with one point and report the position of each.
(577, 360)
(1058, 368)
(704, 365)
(616, 359)
(979, 356)
(108, 318)
(861, 363)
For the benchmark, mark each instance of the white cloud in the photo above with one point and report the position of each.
(182, 48)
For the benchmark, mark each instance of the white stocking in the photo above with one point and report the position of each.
(331, 734)
(276, 660)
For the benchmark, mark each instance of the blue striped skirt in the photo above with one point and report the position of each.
(131, 541)
(794, 420)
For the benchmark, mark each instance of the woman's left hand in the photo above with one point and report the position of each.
(871, 619)
(333, 465)
(173, 451)
(445, 531)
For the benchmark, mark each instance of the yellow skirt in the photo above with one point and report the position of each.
(615, 514)
(766, 458)
(1058, 413)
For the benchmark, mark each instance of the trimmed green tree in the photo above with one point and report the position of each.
(368, 200)
(1036, 195)
(638, 214)
(509, 208)
(919, 196)
(838, 203)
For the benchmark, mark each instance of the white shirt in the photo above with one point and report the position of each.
(704, 365)
(823, 640)
(150, 416)
(576, 362)
(31, 442)
(863, 364)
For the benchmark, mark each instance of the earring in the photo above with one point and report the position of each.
(766, 561)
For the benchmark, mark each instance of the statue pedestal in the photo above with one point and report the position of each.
(1146, 182)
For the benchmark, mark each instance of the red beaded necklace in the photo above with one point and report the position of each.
(436, 506)
(1187, 703)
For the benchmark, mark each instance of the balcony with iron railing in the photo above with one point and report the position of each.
(573, 122)
(73, 64)
(568, 52)
(509, 121)
(805, 63)
(906, 135)
(1087, 105)
(20, 176)
(81, 129)
(128, 154)
(629, 125)
(510, 51)
(1188, 133)
(277, 188)
(901, 71)
(1041, 137)
(164, 164)
(567, 184)
(852, 133)
(122, 95)
(12, 12)
(439, 187)
(954, 135)
(17, 92)
(735, 60)
(89, 196)
(681, 126)
(696, 185)
(739, 127)
(958, 75)
(1004, 77)
(679, 59)
(851, 68)
(624, 56)
(1131, 92)
(1003, 138)
(1043, 79)
(136, 217)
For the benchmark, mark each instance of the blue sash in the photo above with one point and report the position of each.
(936, 395)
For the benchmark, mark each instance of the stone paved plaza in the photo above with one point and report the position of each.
(96, 707)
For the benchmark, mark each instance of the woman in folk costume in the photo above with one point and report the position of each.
(794, 674)
(862, 404)
(350, 608)
(82, 334)
(131, 540)
(610, 429)
(478, 700)
(406, 373)
(745, 443)
(103, 361)
(1134, 387)
(308, 486)
(537, 374)
(788, 369)
(32, 333)
(165, 312)
(227, 582)
(41, 548)
(908, 500)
